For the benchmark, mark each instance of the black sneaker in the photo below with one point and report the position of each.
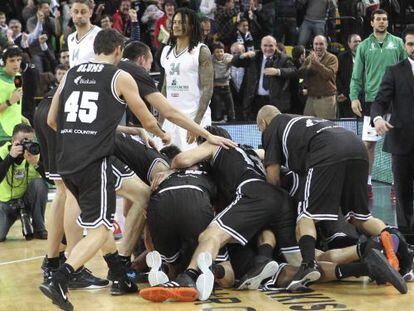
(57, 292)
(84, 279)
(123, 286)
(131, 273)
(263, 268)
(182, 289)
(47, 270)
(381, 271)
(308, 272)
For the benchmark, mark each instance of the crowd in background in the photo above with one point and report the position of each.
(230, 28)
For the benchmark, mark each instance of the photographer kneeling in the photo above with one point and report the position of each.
(23, 192)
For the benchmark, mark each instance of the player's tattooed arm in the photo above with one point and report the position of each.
(206, 76)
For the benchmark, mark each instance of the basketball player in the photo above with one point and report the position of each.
(252, 205)
(189, 74)
(335, 162)
(80, 42)
(85, 117)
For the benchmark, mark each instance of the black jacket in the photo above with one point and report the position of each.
(343, 77)
(397, 91)
(279, 90)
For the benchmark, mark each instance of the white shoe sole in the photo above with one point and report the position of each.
(155, 276)
(268, 271)
(205, 282)
(310, 277)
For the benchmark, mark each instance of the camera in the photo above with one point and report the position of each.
(18, 82)
(31, 146)
(27, 229)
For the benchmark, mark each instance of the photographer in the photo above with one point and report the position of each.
(10, 96)
(23, 192)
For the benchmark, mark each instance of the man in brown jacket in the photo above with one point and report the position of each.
(319, 72)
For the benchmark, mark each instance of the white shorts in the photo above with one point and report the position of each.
(368, 132)
(179, 135)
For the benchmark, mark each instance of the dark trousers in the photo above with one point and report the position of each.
(241, 104)
(286, 30)
(222, 103)
(258, 102)
(345, 110)
(403, 171)
(35, 199)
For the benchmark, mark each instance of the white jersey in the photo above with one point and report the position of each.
(81, 49)
(183, 90)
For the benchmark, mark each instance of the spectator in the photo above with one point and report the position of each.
(3, 24)
(16, 27)
(208, 8)
(226, 19)
(22, 190)
(151, 14)
(106, 22)
(206, 36)
(10, 96)
(286, 26)
(374, 54)
(273, 71)
(51, 27)
(222, 106)
(29, 10)
(343, 79)
(239, 85)
(243, 35)
(297, 86)
(64, 57)
(314, 22)
(319, 72)
(169, 9)
(267, 15)
(121, 18)
(397, 91)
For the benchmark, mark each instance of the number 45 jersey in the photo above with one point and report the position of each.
(89, 112)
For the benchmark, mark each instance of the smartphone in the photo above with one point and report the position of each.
(18, 81)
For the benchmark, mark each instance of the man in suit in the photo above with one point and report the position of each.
(272, 71)
(343, 78)
(397, 92)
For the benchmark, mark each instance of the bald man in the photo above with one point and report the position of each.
(335, 163)
(272, 72)
(319, 72)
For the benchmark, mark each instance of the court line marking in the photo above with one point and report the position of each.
(20, 260)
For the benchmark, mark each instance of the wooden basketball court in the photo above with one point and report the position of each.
(20, 276)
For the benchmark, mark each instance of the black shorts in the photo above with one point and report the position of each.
(176, 217)
(121, 172)
(132, 151)
(340, 185)
(94, 189)
(47, 141)
(257, 206)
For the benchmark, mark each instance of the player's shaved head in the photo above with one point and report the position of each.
(265, 115)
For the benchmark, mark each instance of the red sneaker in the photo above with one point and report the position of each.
(370, 193)
(388, 245)
(160, 294)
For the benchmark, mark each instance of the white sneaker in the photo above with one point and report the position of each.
(205, 282)
(156, 276)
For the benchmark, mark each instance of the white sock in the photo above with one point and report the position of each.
(369, 180)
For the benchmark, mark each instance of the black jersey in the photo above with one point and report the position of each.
(301, 142)
(230, 167)
(89, 112)
(197, 177)
(133, 152)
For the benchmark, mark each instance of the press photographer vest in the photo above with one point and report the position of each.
(18, 176)
(13, 114)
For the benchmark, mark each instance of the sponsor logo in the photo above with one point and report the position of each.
(80, 80)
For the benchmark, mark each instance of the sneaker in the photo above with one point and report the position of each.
(381, 271)
(123, 286)
(308, 272)
(392, 193)
(84, 279)
(263, 268)
(409, 276)
(156, 276)
(388, 245)
(205, 281)
(370, 192)
(56, 292)
(131, 273)
(117, 231)
(182, 289)
(47, 270)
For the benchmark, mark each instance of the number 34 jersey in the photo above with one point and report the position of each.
(89, 112)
